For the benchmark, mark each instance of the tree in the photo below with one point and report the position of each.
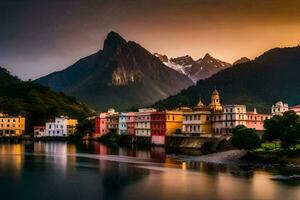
(285, 128)
(244, 138)
(83, 128)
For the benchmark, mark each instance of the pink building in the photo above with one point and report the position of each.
(104, 122)
(130, 123)
(256, 121)
(296, 109)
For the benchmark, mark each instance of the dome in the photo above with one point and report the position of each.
(279, 103)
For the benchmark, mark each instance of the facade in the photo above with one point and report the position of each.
(215, 104)
(142, 121)
(256, 121)
(102, 126)
(233, 116)
(296, 109)
(11, 125)
(113, 122)
(61, 127)
(39, 131)
(130, 123)
(197, 121)
(158, 127)
(279, 108)
(123, 118)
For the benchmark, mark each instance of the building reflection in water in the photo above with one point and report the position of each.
(57, 153)
(11, 157)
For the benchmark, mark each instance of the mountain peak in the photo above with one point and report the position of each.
(241, 60)
(208, 56)
(113, 41)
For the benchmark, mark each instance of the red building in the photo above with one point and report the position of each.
(104, 122)
(101, 125)
(39, 131)
(158, 127)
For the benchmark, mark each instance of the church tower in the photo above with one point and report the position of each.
(215, 103)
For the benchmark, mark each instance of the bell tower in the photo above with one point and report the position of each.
(215, 103)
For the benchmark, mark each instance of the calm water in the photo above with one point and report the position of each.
(53, 171)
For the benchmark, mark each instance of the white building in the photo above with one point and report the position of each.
(142, 122)
(61, 127)
(279, 108)
(232, 116)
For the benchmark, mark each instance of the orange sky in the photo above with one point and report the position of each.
(40, 38)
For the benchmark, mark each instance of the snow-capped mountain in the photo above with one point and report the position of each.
(195, 70)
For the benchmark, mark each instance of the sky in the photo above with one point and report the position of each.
(38, 37)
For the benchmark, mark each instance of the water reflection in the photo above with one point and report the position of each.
(86, 171)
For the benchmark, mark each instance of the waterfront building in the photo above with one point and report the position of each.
(256, 120)
(113, 122)
(158, 127)
(123, 118)
(11, 125)
(233, 115)
(61, 127)
(130, 123)
(102, 124)
(197, 121)
(39, 131)
(279, 108)
(142, 121)
(165, 123)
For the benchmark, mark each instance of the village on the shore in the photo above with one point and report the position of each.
(151, 126)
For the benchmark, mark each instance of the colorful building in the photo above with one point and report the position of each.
(113, 122)
(39, 131)
(295, 109)
(279, 108)
(130, 123)
(142, 121)
(62, 126)
(256, 121)
(123, 118)
(158, 127)
(197, 121)
(233, 116)
(11, 125)
(101, 123)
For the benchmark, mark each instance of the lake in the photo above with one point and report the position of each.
(60, 170)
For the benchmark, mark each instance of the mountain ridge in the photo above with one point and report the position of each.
(123, 72)
(259, 83)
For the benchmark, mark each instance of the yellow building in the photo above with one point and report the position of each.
(173, 121)
(197, 121)
(215, 104)
(71, 126)
(11, 125)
